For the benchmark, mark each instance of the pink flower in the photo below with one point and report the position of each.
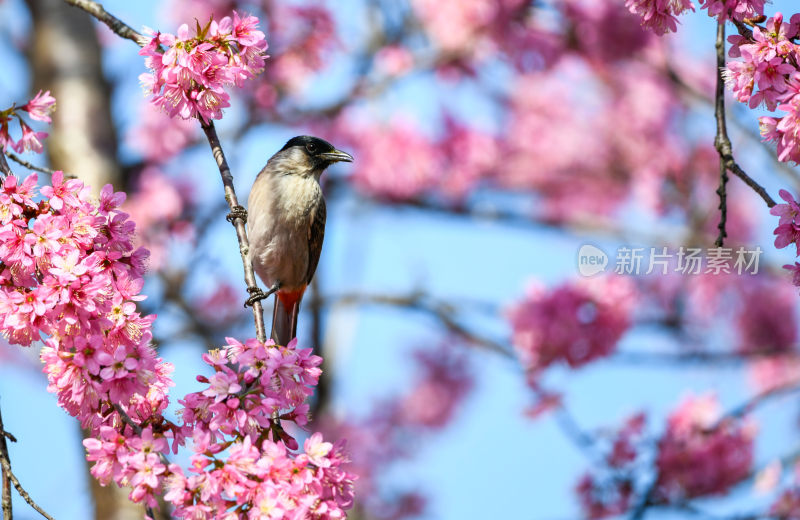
(222, 385)
(603, 499)
(574, 323)
(795, 270)
(394, 60)
(787, 505)
(736, 9)
(317, 450)
(245, 31)
(700, 453)
(5, 138)
(188, 79)
(159, 137)
(740, 78)
(41, 106)
(30, 140)
(773, 372)
(766, 320)
(659, 15)
(788, 230)
(67, 268)
(788, 212)
(443, 384)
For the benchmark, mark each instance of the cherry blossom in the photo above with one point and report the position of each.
(71, 280)
(702, 453)
(574, 323)
(188, 79)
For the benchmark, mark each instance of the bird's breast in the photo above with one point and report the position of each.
(299, 196)
(279, 220)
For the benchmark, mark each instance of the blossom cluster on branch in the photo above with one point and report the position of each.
(788, 230)
(72, 278)
(660, 16)
(38, 108)
(700, 453)
(188, 79)
(575, 323)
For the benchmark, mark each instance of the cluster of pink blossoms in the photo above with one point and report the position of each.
(659, 15)
(787, 506)
(769, 62)
(575, 323)
(702, 453)
(38, 108)
(788, 230)
(734, 9)
(242, 465)
(768, 72)
(188, 78)
(70, 273)
(72, 276)
(608, 490)
(451, 165)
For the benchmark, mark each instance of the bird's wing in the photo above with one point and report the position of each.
(316, 234)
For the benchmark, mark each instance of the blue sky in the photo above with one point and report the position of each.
(491, 462)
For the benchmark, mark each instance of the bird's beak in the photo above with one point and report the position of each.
(336, 156)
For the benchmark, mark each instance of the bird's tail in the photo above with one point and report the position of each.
(284, 316)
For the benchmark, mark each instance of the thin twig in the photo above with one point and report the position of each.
(6, 475)
(238, 223)
(113, 23)
(5, 169)
(664, 359)
(136, 428)
(442, 311)
(757, 400)
(722, 191)
(127, 419)
(24, 494)
(722, 142)
(26, 164)
(9, 478)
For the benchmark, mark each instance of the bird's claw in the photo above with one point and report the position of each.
(237, 212)
(256, 294)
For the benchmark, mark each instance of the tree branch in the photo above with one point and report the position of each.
(6, 476)
(28, 165)
(9, 478)
(722, 191)
(5, 169)
(442, 311)
(113, 23)
(238, 222)
(722, 142)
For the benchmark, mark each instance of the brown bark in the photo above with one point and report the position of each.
(65, 58)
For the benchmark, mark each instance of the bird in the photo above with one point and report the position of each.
(286, 226)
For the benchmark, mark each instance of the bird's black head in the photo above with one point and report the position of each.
(319, 151)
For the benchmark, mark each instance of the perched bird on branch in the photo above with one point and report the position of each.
(286, 226)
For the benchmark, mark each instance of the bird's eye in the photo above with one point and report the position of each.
(311, 147)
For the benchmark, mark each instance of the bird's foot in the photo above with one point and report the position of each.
(256, 294)
(237, 212)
